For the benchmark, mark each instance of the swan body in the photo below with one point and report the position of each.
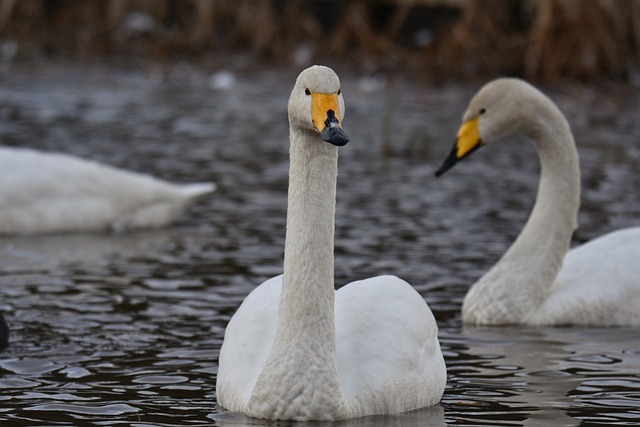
(298, 350)
(539, 281)
(57, 193)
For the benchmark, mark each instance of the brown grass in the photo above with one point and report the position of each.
(569, 39)
(537, 39)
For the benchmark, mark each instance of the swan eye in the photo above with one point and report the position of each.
(307, 91)
(339, 91)
(482, 111)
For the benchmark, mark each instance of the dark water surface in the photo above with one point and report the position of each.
(126, 329)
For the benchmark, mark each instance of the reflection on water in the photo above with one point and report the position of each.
(49, 251)
(554, 375)
(126, 329)
(432, 417)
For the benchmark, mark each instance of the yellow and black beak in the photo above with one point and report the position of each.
(468, 141)
(325, 115)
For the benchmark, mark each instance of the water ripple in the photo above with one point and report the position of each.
(126, 329)
(112, 409)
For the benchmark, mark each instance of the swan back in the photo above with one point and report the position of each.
(599, 283)
(389, 357)
(248, 340)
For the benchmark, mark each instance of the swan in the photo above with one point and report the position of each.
(45, 193)
(4, 333)
(298, 350)
(539, 281)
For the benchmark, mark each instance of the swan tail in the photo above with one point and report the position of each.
(195, 190)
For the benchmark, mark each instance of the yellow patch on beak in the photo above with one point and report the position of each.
(321, 103)
(468, 137)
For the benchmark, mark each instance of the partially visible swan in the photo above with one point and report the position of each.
(538, 281)
(56, 193)
(4, 333)
(298, 350)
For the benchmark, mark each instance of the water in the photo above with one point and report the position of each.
(126, 329)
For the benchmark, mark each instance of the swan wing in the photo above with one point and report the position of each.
(599, 282)
(389, 357)
(247, 343)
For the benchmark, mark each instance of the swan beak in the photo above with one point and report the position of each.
(468, 141)
(326, 118)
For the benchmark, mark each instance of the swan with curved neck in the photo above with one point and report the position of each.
(539, 281)
(298, 350)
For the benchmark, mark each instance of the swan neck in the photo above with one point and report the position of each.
(301, 370)
(308, 284)
(520, 281)
(547, 234)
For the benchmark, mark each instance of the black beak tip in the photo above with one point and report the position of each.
(334, 135)
(452, 159)
(448, 163)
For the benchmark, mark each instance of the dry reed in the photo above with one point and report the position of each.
(538, 39)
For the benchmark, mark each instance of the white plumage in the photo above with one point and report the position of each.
(296, 349)
(539, 281)
(57, 193)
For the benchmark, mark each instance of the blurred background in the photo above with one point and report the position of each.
(120, 329)
(542, 40)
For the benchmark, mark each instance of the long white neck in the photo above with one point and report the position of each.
(519, 282)
(300, 376)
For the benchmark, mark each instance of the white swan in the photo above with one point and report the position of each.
(534, 283)
(296, 349)
(57, 193)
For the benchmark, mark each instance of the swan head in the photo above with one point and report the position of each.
(316, 104)
(498, 110)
